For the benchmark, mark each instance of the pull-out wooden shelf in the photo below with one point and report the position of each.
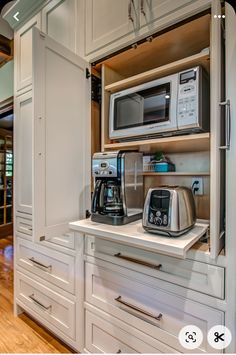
(189, 143)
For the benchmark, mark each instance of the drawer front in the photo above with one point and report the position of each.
(24, 226)
(198, 276)
(103, 336)
(66, 240)
(128, 295)
(51, 306)
(51, 265)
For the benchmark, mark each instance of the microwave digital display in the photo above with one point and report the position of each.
(188, 75)
(143, 107)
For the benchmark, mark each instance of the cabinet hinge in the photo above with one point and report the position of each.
(96, 94)
(87, 73)
(87, 214)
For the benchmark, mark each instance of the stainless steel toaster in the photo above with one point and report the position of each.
(169, 210)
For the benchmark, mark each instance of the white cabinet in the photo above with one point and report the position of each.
(23, 226)
(145, 302)
(61, 138)
(103, 336)
(23, 50)
(191, 274)
(111, 25)
(23, 126)
(108, 21)
(152, 12)
(54, 267)
(59, 21)
(49, 305)
(52, 163)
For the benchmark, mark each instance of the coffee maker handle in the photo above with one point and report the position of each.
(96, 195)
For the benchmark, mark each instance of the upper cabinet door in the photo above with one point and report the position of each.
(156, 10)
(59, 22)
(23, 130)
(109, 22)
(61, 137)
(23, 50)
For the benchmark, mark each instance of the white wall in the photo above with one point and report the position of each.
(6, 81)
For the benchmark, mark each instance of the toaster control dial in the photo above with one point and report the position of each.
(158, 218)
(159, 208)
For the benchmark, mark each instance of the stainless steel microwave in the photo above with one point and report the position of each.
(175, 104)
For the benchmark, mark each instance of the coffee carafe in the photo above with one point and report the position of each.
(118, 192)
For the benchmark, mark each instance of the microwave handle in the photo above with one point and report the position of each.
(95, 197)
(226, 104)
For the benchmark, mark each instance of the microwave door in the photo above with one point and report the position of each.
(128, 111)
(144, 110)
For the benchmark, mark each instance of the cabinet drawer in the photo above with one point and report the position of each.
(51, 306)
(51, 265)
(137, 299)
(24, 226)
(66, 240)
(195, 275)
(103, 336)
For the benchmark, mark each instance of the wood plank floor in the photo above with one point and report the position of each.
(20, 334)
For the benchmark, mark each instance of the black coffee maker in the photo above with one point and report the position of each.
(118, 191)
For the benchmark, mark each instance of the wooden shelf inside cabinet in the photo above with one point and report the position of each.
(189, 143)
(175, 173)
(201, 58)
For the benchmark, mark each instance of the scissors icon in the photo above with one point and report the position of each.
(218, 337)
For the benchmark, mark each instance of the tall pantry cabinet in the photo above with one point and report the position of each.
(52, 140)
(52, 175)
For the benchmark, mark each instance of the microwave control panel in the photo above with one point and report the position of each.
(187, 104)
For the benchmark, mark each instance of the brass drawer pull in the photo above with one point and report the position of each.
(159, 317)
(142, 8)
(39, 303)
(131, 3)
(37, 263)
(137, 261)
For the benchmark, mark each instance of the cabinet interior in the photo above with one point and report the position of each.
(177, 49)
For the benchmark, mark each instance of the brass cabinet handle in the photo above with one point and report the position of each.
(142, 8)
(131, 2)
(37, 263)
(226, 104)
(119, 299)
(137, 261)
(45, 308)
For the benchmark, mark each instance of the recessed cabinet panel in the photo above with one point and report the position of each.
(109, 20)
(49, 305)
(59, 22)
(52, 266)
(62, 132)
(140, 301)
(153, 11)
(23, 48)
(103, 336)
(23, 152)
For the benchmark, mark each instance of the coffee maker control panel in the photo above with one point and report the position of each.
(104, 165)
